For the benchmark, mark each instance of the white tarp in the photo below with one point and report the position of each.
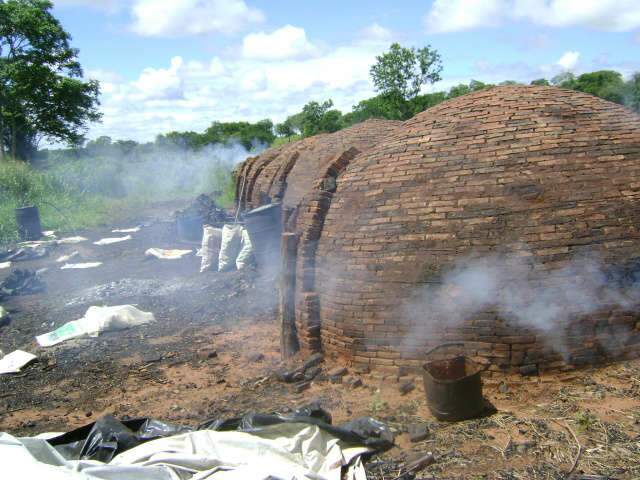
(126, 230)
(66, 258)
(164, 254)
(14, 361)
(95, 321)
(84, 265)
(109, 241)
(286, 451)
(71, 240)
(4, 265)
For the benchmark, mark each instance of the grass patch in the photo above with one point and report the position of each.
(77, 195)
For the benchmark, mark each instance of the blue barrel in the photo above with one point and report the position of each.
(28, 220)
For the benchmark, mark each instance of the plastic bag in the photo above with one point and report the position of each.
(230, 246)
(211, 242)
(246, 251)
(95, 321)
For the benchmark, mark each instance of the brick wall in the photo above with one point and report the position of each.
(538, 171)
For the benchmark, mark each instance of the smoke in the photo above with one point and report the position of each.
(154, 171)
(524, 294)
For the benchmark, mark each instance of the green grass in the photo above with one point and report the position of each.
(74, 196)
(282, 140)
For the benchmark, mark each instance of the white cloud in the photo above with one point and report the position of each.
(569, 60)
(457, 15)
(376, 32)
(190, 94)
(161, 84)
(175, 18)
(108, 5)
(283, 43)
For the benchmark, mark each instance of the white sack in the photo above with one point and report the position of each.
(67, 266)
(14, 361)
(166, 254)
(230, 246)
(288, 451)
(95, 321)
(126, 230)
(246, 251)
(109, 241)
(211, 242)
(4, 265)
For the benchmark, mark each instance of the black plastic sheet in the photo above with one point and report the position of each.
(108, 437)
(21, 282)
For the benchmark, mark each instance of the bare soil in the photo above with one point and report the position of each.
(168, 370)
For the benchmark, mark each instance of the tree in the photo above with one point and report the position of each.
(632, 92)
(319, 118)
(541, 82)
(605, 84)
(42, 93)
(402, 71)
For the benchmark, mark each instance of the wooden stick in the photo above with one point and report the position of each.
(287, 295)
(579, 454)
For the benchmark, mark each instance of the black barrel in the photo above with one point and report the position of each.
(28, 220)
(190, 228)
(453, 386)
(264, 225)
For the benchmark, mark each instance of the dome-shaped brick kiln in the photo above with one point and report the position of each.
(544, 173)
(286, 173)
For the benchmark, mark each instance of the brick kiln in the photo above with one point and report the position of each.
(288, 172)
(539, 171)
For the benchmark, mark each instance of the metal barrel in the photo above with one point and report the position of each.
(28, 220)
(190, 228)
(264, 225)
(454, 388)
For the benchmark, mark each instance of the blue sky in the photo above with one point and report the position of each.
(181, 64)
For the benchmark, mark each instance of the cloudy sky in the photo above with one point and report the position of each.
(181, 64)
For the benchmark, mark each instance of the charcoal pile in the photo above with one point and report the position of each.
(206, 209)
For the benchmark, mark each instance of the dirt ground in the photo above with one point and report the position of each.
(214, 349)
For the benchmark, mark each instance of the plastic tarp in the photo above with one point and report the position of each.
(210, 250)
(14, 361)
(109, 241)
(66, 258)
(300, 446)
(95, 321)
(81, 266)
(230, 246)
(24, 254)
(164, 254)
(71, 240)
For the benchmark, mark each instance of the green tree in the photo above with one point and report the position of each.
(632, 92)
(402, 71)
(320, 118)
(541, 82)
(42, 93)
(606, 84)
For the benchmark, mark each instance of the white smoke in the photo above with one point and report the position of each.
(521, 292)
